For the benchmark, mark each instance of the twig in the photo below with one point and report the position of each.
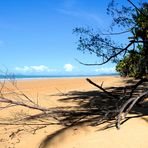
(137, 8)
(5, 100)
(100, 87)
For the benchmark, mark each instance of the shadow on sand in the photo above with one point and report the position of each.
(92, 107)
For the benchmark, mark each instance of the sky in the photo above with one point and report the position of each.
(36, 36)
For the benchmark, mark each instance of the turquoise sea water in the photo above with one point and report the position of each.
(19, 77)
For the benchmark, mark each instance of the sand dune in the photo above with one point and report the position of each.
(133, 133)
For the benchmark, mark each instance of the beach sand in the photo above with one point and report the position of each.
(133, 133)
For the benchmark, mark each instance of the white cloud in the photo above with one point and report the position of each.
(106, 70)
(68, 67)
(38, 68)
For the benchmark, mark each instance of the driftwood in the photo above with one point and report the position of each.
(114, 109)
(128, 105)
(101, 88)
(132, 102)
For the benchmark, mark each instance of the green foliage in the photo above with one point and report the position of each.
(135, 64)
(134, 55)
(129, 66)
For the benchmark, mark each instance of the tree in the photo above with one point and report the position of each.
(135, 21)
(135, 54)
(135, 63)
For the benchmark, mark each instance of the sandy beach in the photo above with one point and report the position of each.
(47, 93)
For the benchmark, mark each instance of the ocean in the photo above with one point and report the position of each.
(21, 77)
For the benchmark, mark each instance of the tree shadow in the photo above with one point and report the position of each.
(61, 132)
(96, 107)
(98, 103)
(50, 137)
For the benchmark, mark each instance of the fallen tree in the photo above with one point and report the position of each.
(131, 59)
(105, 105)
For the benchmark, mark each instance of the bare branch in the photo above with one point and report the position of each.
(100, 87)
(115, 55)
(133, 100)
(117, 33)
(136, 7)
(136, 85)
(5, 100)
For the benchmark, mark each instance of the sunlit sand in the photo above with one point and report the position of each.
(133, 133)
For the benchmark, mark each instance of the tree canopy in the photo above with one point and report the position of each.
(134, 20)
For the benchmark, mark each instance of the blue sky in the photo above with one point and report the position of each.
(36, 35)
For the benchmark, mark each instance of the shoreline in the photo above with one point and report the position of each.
(18, 77)
(56, 77)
